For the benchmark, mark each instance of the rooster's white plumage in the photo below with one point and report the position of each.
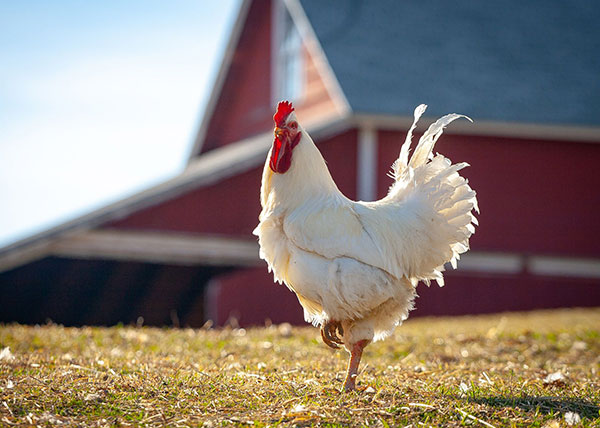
(354, 265)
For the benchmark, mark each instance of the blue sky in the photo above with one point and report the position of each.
(99, 100)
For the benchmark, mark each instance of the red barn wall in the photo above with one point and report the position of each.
(211, 209)
(535, 196)
(340, 154)
(480, 293)
(251, 297)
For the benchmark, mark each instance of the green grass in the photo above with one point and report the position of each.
(467, 371)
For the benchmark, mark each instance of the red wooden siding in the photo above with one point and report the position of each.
(535, 196)
(251, 296)
(340, 154)
(244, 107)
(231, 207)
(487, 293)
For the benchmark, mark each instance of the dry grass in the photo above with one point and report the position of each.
(476, 371)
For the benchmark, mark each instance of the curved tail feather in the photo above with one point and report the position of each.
(424, 149)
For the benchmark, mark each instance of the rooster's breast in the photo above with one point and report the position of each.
(342, 288)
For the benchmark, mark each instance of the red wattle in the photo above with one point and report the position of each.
(275, 154)
(281, 153)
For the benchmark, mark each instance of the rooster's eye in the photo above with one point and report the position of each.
(293, 125)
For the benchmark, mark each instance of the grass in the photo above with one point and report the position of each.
(531, 369)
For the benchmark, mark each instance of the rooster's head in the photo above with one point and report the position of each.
(287, 136)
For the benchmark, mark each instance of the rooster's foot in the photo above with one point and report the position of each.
(331, 332)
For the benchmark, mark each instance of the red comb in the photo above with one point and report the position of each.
(284, 108)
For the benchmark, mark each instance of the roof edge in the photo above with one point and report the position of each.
(576, 133)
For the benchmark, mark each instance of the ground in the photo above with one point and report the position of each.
(528, 369)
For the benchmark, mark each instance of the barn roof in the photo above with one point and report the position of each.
(510, 61)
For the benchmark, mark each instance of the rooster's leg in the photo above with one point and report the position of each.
(330, 336)
(355, 354)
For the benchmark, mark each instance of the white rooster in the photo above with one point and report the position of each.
(354, 266)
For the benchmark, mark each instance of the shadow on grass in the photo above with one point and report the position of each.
(544, 404)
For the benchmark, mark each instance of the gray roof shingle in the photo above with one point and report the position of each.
(535, 61)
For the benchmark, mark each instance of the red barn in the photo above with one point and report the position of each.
(182, 252)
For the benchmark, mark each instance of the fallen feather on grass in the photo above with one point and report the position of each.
(6, 355)
(556, 378)
(484, 379)
(572, 418)
(464, 388)
(423, 405)
(93, 397)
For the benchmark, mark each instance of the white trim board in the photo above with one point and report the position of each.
(537, 265)
(563, 267)
(158, 247)
(366, 174)
(497, 263)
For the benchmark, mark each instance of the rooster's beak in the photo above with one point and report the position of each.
(278, 132)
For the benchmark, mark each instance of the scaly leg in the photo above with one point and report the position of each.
(355, 354)
(330, 336)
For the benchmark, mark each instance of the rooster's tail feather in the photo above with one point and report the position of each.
(423, 151)
(432, 188)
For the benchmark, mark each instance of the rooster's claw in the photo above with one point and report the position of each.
(329, 334)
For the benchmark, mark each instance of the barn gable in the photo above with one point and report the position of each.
(272, 55)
